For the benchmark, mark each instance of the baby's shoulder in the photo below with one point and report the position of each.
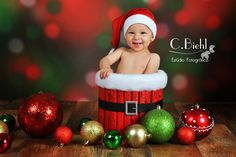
(154, 56)
(122, 49)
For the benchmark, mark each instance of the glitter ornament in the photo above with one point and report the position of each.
(92, 132)
(199, 119)
(40, 115)
(3, 127)
(83, 122)
(160, 124)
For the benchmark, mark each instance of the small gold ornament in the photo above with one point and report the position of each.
(3, 127)
(136, 135)
(92, 132)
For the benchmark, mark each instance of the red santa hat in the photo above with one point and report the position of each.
(137, 15)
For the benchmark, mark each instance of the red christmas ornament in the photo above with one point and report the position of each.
(5, 142)
(199, 119)
(63, 135)
(185, 135)
(39, 115)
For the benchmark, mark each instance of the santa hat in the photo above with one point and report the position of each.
(137, 15)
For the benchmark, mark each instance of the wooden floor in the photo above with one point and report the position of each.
(220, 143)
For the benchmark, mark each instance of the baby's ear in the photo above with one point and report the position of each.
(152, 39)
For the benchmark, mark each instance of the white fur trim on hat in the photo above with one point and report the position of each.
(139, 18)
(133, 82)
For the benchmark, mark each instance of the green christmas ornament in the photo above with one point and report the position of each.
(83, 122)
(9, 120)
(160, 124)
(112, 139)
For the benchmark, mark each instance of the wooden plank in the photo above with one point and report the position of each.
(171, 150)
(219, 143)
(48, 148)
(110, 152)
(138, 152)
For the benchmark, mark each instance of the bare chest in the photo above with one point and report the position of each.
(133, 64)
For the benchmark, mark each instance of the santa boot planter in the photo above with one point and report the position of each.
(124, 98)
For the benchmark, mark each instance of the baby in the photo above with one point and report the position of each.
(139, 30)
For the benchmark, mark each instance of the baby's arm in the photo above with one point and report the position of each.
(153, 64)
(106, 62)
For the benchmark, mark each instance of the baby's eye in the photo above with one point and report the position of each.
(131, 32)
(143, 32)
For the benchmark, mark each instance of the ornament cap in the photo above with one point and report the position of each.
(86, 143)
(158, 107)
(148, 136)
(197, 106)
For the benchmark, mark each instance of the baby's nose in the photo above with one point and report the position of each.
(136, 36)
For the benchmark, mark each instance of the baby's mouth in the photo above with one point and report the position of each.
(137, 43)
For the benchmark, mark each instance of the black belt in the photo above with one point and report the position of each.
(129, 107)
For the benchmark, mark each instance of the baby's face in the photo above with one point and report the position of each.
(138, 37)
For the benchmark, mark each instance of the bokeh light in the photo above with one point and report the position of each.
(74, 92)
(15, 45)
(213, 22)
(114, 12)
(33, 72)
(52, 30)
(179, 82)
(90, 78)
(182, 18)
(153, 4)
(162, 30)
(28, 3)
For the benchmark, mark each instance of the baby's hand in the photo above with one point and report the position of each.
(104, 73)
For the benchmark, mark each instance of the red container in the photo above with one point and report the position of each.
(116, 120)
(122, 105)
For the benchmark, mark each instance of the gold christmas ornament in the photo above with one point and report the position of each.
(3, 127)
(92, 132)
(136, 135)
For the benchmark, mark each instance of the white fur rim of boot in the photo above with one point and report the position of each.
(133, 82)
